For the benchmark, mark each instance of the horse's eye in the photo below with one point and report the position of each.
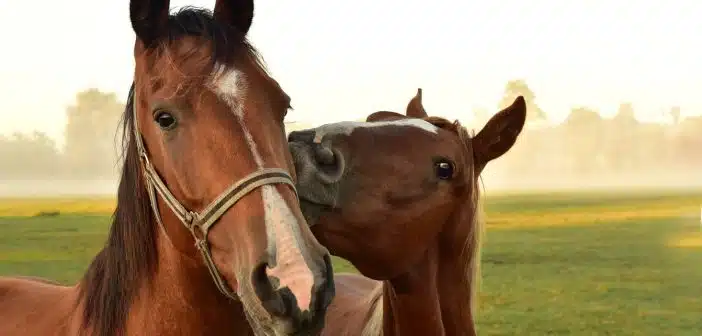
(165, 120)
(444, 169)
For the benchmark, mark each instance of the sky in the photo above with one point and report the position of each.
(342, 60)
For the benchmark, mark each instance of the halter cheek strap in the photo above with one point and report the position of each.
(200, 223)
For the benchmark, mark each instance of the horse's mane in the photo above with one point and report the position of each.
(129, 257)
(471, 215)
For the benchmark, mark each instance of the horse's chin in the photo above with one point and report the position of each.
(266, 325)
(380, 271)
(259, 320)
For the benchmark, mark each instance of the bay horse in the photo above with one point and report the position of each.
(398, 197)
(207, 237)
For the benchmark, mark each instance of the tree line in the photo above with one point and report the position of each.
(91, 147)
(587, 149)
(584, 147)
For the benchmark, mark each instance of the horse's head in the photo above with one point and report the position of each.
(215, 154)
(379, 193)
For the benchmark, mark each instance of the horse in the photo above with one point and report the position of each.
(207, 237)
(398, 197)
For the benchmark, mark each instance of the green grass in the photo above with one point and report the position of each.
(553, 264)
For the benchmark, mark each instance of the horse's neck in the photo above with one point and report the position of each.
(181, 299)
(411, 301)
(456, 266)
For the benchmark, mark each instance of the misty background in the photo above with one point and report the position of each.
(585, 150)
(612, 87)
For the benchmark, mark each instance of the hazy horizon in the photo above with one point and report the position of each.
(342, 61)
(356, 58)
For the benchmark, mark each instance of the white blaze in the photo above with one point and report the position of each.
(347, 127)
(282, 228)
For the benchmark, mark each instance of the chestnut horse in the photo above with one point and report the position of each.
(398, 197)
(207, 237)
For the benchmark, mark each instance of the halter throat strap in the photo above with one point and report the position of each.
(200, 223)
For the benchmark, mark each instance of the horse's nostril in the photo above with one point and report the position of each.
(324, 155)
(329, 163)
(265, 291)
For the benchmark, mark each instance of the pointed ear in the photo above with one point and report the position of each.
(149, 19)
(384, 116)
(238, 13)
(415, 108)
(499, 133)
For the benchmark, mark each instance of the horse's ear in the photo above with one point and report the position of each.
(415, 108)
(149, 19)
(238, 13)
(500, 133)
(384, 115)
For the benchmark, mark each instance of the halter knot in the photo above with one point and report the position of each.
(198, 232)
(189, 218)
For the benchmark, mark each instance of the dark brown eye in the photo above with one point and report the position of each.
(165, 120)
(444, 169)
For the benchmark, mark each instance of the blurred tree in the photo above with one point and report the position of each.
(583, 132)
(626, 113)
(675, 114)
(519, 87)
(519, 161)
(583, 117)
(90, 133)
(28, 156)
(689, 143)
(623, 145)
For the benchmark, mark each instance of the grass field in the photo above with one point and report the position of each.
(558, 263)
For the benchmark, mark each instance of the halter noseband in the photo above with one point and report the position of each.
(199, 223)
